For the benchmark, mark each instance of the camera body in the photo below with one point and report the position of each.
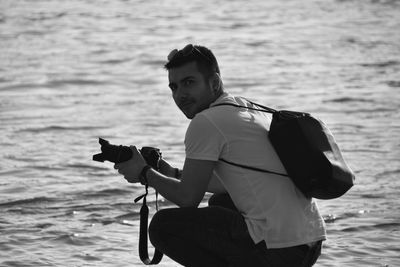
(118, 154)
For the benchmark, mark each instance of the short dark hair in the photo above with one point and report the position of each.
(205, 59)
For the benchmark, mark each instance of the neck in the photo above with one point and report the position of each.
(219, 93)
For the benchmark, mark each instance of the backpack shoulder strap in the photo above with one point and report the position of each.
(261, 107)
(252, 168)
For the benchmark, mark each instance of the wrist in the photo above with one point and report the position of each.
(143, 175)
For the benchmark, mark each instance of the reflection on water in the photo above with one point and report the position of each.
(73, 71)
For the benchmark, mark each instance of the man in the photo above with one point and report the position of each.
(270, 222)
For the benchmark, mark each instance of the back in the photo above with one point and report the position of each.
(274, 209)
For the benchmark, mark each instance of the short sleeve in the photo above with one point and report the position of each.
(203, 140)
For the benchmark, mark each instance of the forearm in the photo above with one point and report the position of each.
(170, 188)
(168, 170)
(214, 186)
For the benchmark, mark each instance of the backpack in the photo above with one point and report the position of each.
(308, 152)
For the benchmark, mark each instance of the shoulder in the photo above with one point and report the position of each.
(201, 124)
(222, 108)
(227, 98)
(204, 139)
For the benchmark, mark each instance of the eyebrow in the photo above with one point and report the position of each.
(187, 78)
(182, 80)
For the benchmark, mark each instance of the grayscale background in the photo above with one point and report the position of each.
(73, 71)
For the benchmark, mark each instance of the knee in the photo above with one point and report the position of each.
(158, 226)
(222, 200)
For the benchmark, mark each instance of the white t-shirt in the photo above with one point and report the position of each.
(273, 208)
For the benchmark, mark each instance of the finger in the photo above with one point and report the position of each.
(135, 150)
(137, 155)
(130, 179)
(120, 165)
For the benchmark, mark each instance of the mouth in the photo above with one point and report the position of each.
(185, 105)
(186, 108)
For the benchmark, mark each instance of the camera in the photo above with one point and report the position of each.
(118, 154)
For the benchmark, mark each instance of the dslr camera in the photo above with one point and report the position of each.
(118, 154)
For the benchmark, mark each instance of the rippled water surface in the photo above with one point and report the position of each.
(71, 71)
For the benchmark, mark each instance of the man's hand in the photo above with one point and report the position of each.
(131, 169)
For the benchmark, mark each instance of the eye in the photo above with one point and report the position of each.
(188, 82)
(173, 87)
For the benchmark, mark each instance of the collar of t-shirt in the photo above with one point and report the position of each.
(224, 98)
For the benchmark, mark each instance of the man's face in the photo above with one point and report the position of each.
(191, 92)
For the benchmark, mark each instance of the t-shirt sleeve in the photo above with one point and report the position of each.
(203, 140)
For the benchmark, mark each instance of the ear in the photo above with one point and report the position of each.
(216, 83)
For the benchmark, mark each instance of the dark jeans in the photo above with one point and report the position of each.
(217, 236)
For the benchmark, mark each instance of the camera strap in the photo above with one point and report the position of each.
(143, 232)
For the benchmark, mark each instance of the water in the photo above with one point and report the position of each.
(71, 71)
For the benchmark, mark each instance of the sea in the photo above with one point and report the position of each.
(73, 71)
